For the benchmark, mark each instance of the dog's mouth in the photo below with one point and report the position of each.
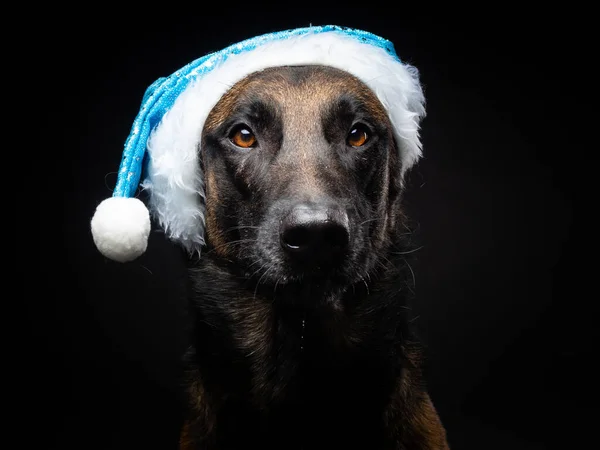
(321, 266)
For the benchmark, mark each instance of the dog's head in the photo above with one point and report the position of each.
(301, 137)
(302, 176)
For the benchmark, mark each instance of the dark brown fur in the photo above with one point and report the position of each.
(303, 360)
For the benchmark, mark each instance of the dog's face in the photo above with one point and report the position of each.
(302, 177)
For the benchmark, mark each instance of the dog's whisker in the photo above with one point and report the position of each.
(408, 251)
(258, 270)
(412, 273)
(276, 283)
(237, 241)
(380, 267)
(242, 227)
(365, 283)
(407, 228)
(257, 261)
(230, 245)
(370, 220)
(261, 277)
(266, 272)
(367, 286)
(386, 259)
(413, 319)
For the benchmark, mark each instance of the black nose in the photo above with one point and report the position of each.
(315, 232)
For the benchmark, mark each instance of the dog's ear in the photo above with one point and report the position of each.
(174, 110)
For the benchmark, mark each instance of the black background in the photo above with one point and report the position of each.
(493, 197)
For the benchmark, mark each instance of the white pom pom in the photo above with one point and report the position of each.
(120, 228)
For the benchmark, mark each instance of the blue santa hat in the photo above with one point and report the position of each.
(164, 141)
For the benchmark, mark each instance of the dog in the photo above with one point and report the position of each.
(301, 335)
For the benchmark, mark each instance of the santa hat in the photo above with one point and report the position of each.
(164, 141)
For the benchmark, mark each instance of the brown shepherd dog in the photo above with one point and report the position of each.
(301, 331)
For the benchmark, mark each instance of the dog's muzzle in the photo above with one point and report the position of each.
(313, 234)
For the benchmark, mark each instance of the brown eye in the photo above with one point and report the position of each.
(243, 137)
(358, 136)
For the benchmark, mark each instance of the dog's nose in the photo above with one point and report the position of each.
(315, 232)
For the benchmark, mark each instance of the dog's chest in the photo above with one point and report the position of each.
(311, 389)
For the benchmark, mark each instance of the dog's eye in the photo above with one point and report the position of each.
(243, 137)
(358, 136)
